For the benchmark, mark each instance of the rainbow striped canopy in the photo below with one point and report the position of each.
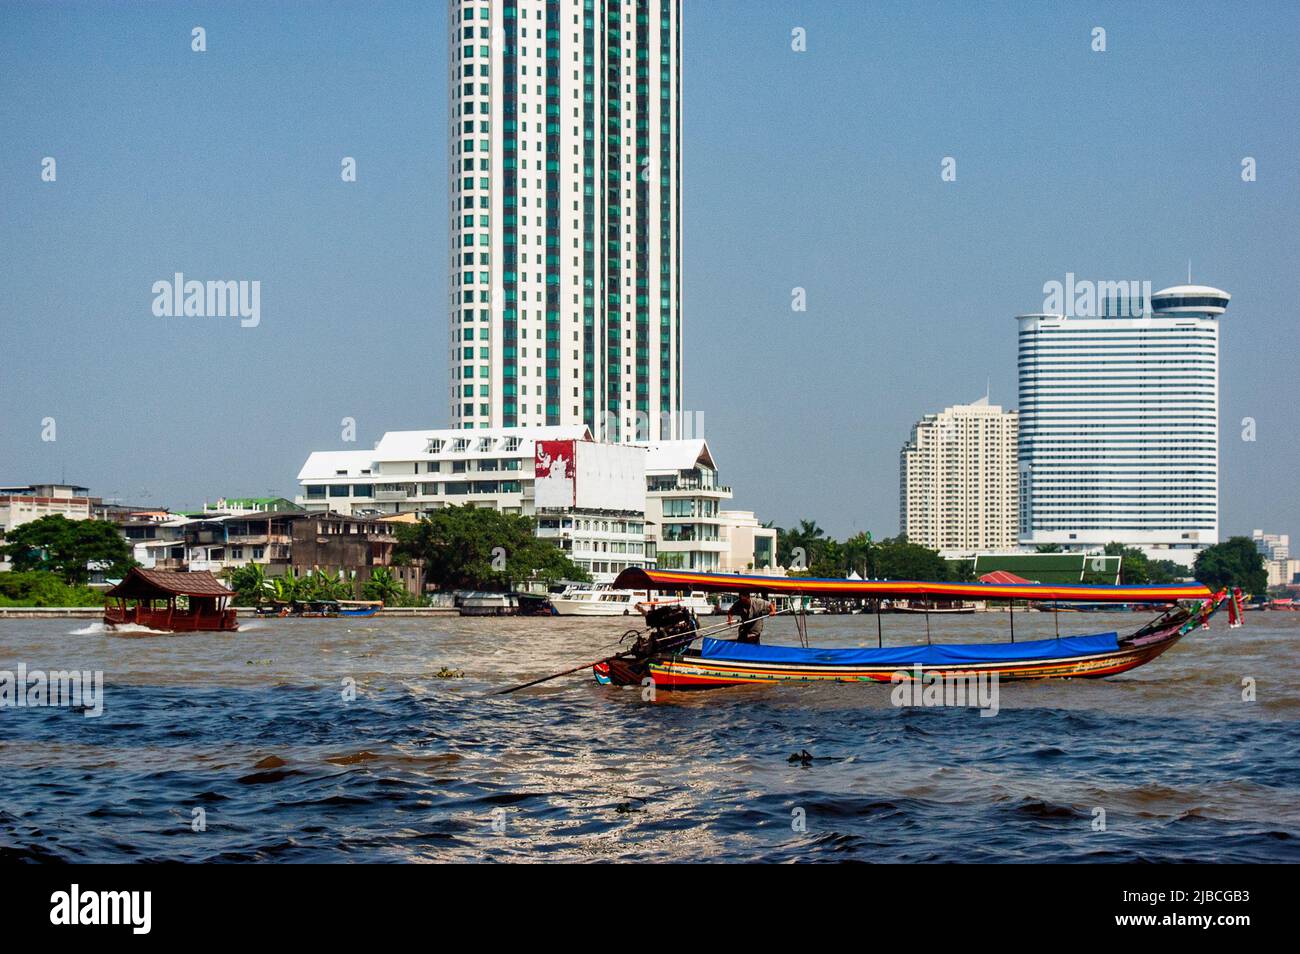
(683, 581)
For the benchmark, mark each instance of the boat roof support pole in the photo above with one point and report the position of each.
(879, 635)
(927, 624)
(1011, 612)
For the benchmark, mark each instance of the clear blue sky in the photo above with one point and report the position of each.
(817, 169)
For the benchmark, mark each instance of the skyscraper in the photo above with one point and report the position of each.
(565, 219)
(1119, 425)
(957, 480)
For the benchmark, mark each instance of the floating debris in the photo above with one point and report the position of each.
(445, 673)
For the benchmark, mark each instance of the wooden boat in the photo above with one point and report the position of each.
(664, 654)
(360, 607)
(315, 609)
(937, 607)
(155, 597)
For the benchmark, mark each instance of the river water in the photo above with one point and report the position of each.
(248, 738)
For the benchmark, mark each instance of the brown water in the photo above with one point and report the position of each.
(253, 729)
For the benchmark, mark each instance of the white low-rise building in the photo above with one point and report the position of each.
(751, 547)
(29, 502)
(608, 506)
(589, 499)
(684, 505)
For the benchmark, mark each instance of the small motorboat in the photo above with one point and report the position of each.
(360, 607)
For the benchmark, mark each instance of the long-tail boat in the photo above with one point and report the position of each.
(156, 595)
(665, 654)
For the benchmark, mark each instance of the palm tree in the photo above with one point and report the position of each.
(287, 587)
(249, 582)
(328, 586)
(806, 537)
(383, 585)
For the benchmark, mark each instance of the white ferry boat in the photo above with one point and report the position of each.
(604, 600)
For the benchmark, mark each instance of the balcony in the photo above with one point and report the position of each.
(686, 484)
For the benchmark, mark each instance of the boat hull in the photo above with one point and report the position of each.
(161, 621)
(565, 607)
(691, 671)
(694, 673)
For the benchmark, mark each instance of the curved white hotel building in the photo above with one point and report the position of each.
(1119, 425)
(565, 221)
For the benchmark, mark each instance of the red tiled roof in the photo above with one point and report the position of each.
(1002, 576)
(160, 584)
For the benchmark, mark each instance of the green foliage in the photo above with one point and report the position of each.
(1166, 571)
(249, 583)
(1235, 562)
(803, 546)
(285, 588)
(319, 585)
(40, 588)
(58, 545)
(483, 549)
(1133, 567)
(383, 585)
(1049, 548)
(889, 559)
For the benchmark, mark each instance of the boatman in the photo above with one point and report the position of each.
(751, 610)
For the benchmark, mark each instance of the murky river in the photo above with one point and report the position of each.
(250, 746)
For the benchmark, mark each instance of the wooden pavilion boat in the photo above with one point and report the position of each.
(207, 610)
(665, 654)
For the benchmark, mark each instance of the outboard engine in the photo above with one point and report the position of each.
(671, 627)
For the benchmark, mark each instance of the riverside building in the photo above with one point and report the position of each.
(1119, 425)
(588, 497)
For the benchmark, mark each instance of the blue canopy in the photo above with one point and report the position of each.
(903, 656)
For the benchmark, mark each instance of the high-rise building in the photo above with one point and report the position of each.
(1272, 546)
(1119, 425)
(565, 217)
(957, 480)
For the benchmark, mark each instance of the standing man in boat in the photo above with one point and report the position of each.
(751, 610)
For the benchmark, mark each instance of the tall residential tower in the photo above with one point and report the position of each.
(957, 480)
(565, 218)
(1119, 425)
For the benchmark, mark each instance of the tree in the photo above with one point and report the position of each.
(1235, 562)
(383, 585)
(860, 555)
(898, 559)
(802, 546)
(1048, 548)
(1134, 567)
(36, 588)
(1166, 571)
(480, 548)
(249, 583)
(285, 588)
(319, 585)
(55, 544)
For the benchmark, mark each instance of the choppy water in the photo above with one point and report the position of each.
(252, 728)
